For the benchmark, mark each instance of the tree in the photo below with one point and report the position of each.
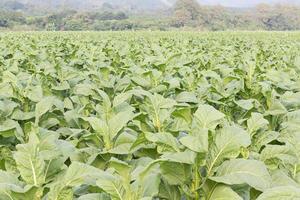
(186, 11)
(120, 16)
(14, 5)
(278, 17)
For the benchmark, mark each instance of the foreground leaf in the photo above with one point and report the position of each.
(280, 193)
(240, 171)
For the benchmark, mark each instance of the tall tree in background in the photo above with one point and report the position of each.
(186, 11)
(278, 17)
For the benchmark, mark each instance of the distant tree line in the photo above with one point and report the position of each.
(185, 14)
(188, 13)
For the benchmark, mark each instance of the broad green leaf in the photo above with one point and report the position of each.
(207, 117)
(113, 186)
(62, 86)
(79, 173)
(76, 175)
(95, 196)
(245, 104)
(22, 116)
(167, 191)
(97, 124)
(7, 161)
(11, 128)
(65, 194)
(263, 138)
(163, 139)
(84, 89)
(121, 98)
(281, 178)
(291, 99)
(175, 173)
(30, 162)
(33, 193)
(42, 107)
(6, 90)
(240, 171)
(284, 153)
(196, 141)
(217, 191)
(226, 144)
(7, 107)
(276, 108)
(279, 193)
(186, 97)
(123, 143)
(35, 93)
(256, 122)
(121, 167)
(117, 122)
(158, 109)
(147, 187)
(187, 157)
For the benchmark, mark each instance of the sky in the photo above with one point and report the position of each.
(245, 3)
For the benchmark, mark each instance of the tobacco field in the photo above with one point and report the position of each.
(149, 115)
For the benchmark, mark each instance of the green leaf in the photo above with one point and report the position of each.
(207, 117)
(22, 116)
(280, 193)
(240, 171)
(284, 153)
(217, 191)
(123, 143)
(167, 191)
(9, 164)
(276, 108)
(11, 128)
(113, 186)
(94, 197)
(62, 86)
(76, 175)
(121, 167)
(43, 107)
(118, 121)
(263, 138)
(187, 157)
(281, 178)
(33, 193)
(158, 109)
(84, 89)
(7, 107)
(256, 122)
(186, 97)
(226, 144)
(197, 142)
(121, 98)
(30, 162)
(163, 139)
(245, 104)
(112, 121)
(65, 194)
(291, 99)
(35, 93)
(175, 173)
(79, 173)
(6, 90)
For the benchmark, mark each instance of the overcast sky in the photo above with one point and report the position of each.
(245, 3)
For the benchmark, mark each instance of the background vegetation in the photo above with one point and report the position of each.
(121, 15)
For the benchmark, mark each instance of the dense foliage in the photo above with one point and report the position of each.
(128, 116)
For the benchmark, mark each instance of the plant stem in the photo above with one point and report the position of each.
(196, 182)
